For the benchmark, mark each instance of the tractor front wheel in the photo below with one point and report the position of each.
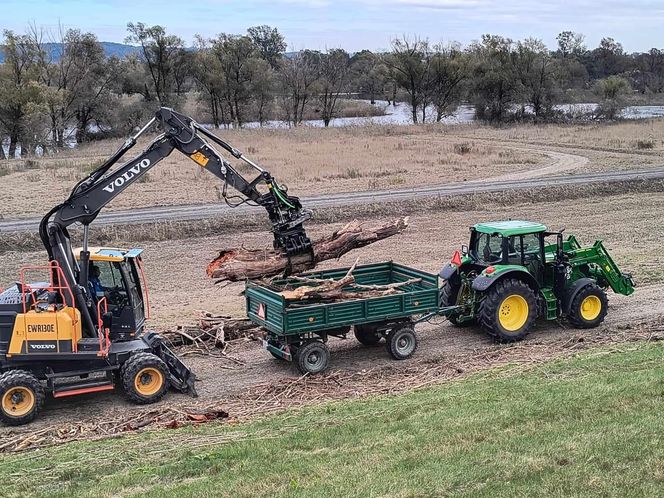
(589, 307)
(145, 378)
(508, 310)
(21, 397)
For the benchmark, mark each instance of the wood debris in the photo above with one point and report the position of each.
(345, 288)
(135, 420)
(239, 264)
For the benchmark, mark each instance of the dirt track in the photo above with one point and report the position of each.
(452, 350)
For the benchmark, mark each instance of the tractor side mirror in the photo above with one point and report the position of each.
(464, 250)
(107, 320)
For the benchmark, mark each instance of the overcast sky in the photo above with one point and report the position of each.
(320, 24)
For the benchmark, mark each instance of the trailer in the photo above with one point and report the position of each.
(298, 331)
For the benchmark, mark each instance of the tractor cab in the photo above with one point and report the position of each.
(507, 243)
(117, 287)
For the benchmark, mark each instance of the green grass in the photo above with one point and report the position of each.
(591, 425)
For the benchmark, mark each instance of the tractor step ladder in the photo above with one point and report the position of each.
(551, 304)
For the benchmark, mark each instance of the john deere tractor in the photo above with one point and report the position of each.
(511, 272)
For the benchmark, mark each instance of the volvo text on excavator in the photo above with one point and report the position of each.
(84, 331)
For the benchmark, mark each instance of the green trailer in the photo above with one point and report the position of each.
(298, 331)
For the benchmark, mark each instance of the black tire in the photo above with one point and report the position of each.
(313, 357)
(145, 378)
(21, 397)
(508, 321)
(402, 342)
(366, 334)
(589, 307)
(448, 297)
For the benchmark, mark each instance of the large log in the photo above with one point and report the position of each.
(238, 264)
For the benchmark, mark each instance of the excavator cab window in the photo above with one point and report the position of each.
(107, 280)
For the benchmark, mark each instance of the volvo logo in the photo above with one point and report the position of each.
(127, 176)
(42, 346)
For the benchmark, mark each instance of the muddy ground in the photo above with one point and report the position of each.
(251, 381)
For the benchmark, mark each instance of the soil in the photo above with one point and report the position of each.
(251, 382)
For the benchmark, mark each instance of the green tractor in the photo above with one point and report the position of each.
(514, 271)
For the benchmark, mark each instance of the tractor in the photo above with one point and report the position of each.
(512, 272)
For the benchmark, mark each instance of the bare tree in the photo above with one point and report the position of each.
(448, 70)
(297, 77)
(19, 91)
(409, 65)
(271, 44)
(332, 71)
(161, 53)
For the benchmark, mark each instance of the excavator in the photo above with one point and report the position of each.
(83, 329)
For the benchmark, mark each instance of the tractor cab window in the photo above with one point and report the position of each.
(106, 280)
(524, 249)
(488, 248)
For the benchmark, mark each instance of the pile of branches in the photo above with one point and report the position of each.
(165, 417)
(328, 290)
(211, 335)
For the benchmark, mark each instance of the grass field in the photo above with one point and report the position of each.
(516, 431)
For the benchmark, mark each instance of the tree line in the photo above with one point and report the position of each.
(48, 98)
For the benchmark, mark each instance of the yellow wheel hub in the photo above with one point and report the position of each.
(591, 307)
(148, 381)
(513, 313)
(18, 401)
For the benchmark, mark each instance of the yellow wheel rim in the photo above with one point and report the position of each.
(591, 307)
(18, 401)
(513, 313)
(148, 381)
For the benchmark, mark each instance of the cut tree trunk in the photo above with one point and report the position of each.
(240, 264)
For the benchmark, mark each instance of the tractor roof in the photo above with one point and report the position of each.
(109, 254)
(509, 228)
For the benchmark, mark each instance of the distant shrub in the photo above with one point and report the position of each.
(645, 144)
(463, 148)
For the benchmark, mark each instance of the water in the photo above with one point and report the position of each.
(400, 114)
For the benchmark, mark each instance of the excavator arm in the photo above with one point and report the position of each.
(104, 184)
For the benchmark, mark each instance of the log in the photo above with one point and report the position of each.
(237, 264)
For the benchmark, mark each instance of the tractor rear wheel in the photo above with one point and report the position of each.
(508, 310)
(449, 294)
(366, 334)
(589, 307)
(21, 397)
(145, 378)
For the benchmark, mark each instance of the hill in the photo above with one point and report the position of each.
(110, 49)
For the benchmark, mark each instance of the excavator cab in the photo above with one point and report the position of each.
(117, 281)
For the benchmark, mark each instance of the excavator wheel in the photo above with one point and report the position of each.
(589, 307)
(145, 378)
(21, 397)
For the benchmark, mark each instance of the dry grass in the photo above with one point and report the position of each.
(316, 161)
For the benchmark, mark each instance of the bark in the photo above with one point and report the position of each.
(238, 264)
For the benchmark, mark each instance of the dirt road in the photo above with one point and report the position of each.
(527, 180)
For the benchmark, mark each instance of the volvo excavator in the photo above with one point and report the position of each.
(83, 330)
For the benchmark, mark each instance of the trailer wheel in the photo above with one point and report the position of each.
(313, 357)
(448, 297)
(508, 310)
(145, 378)
(21, 397)
(366, 334)
(402, 342)
(589, 307)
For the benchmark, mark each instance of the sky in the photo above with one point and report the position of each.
(322, 24)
